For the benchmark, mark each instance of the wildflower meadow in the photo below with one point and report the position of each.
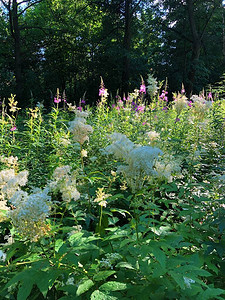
(122, 200)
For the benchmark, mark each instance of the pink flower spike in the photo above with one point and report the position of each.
(13, 128)
(210, 95)
(57, 100)
(101, 91)
(143, 88)
(79, 108)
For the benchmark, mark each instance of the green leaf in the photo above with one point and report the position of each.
(24, 290)
(125, 265)
(58, 244)
(211, 293)
(84, 287)
(97, 295)
(160, 256)
(178, 278)
(103, 275)
(113, 286)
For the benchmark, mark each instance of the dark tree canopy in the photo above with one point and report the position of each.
(50, 44)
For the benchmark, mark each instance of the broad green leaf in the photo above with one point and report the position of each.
(178, 278)
(97, 295)
(125, 265)
(58, 244)
(24, 290)
(160, 256)
(103, 275)
(84, 287)
(113, 286)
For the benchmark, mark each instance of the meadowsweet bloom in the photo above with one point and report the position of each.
(142, 159)
(167, 167)
(139, 160)
(79, 129)
(64, 181)
(152, 85)
(153, 135)
(9, 161)
(30, 213)
(120, 147)
(200, 105)
(101, 197)
(11, 183)
(179, 103)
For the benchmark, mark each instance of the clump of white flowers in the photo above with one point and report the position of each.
(152, 86)
(64, 181)
(11, 182)
(30, 213)
(121, 146)
(153, 136)
(180, 102)
(167, 167)
(139, 160)
(200, 105)
(9, 161)
(79, 129)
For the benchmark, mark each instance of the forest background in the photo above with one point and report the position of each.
(50, 44)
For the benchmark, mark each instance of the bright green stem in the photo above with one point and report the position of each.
(100, 220)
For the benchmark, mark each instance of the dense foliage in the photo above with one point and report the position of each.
(123, 201)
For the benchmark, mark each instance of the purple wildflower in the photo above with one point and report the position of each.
(57, 99)
(143, 88)
(13, 128)
(79, 108)
(210, 95)
(83, 101)
(177, 120)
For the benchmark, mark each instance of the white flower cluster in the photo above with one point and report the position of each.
(9, 161)
(30, 213)
(152, 86)
(79, 128)
(179, 103)
(201, 106)
(153, 136)
(121, 146)
(65, 183)
(167, 167)
(139, 160)
(10, 182)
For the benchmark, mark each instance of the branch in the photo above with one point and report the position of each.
(5, 4)
(28, 6)
(207, 22)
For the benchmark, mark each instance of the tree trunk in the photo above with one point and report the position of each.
(196, 48)
(17, 48)
(126, 45)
